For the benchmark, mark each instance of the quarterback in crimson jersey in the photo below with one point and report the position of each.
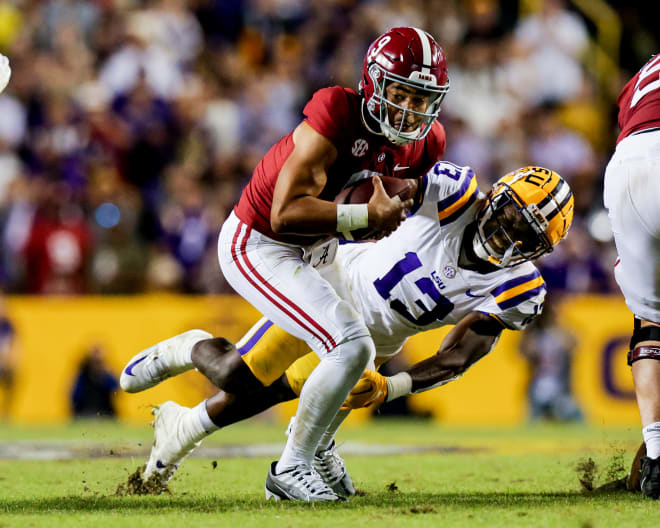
(336, 114)
(631, 195)
(287, 212)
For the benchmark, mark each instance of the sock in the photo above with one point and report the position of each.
(651, 435)
(204, 419)
(196, 425)
(321, 397)
(329, 435)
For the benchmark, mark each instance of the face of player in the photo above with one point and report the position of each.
(407, 105)
(507, 237)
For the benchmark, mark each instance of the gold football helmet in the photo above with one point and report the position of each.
(524, 216)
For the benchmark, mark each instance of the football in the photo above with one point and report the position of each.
(361, 191)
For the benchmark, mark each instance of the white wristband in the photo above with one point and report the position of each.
(352, 216)
(398, 385)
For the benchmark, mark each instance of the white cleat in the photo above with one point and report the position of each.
(161, 361)
(169, 448)
(299, 483)
(332, 469)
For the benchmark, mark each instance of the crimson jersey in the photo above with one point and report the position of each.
(336, 114)
(639, 102)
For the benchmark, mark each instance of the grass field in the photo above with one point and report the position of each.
(526, 476)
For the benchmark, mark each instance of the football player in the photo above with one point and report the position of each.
(286, 215)
(461, 259)
(631, 195)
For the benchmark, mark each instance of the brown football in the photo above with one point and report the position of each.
(361, 191)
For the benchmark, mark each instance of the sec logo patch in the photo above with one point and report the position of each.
(360, 148)
(449, 271)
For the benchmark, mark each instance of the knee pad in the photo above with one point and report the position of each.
(648, 333)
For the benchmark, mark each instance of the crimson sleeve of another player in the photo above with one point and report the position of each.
(326, 112)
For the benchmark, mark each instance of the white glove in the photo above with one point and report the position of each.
(5, 72)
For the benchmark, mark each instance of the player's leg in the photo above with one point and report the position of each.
(292, 294)
(178, 430)
(327, 461)
(646, 375)
(631, 196)
(252, 370)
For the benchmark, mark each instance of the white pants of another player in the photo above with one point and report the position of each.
(632, 197)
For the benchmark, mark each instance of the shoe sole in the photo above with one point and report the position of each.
(272, 495)
(156, 411)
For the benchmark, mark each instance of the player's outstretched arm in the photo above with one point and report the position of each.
(470, 340)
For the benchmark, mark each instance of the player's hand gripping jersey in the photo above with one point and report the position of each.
(409, 282)
(335, 113)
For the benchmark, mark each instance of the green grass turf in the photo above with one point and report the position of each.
(513, 477)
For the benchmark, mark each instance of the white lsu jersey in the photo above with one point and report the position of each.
(411, 281)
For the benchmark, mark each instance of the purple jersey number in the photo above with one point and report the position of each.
(409, 263)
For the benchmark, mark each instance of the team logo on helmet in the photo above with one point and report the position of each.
(525, 215)
(412, 58)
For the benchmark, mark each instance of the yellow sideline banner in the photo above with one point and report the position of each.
(54, 333)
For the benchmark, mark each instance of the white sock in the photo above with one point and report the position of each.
(329, 435)
(194, 426)
(204, 419)
(321, 397)
(651, 435)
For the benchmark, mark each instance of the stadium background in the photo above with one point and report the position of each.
(129, 128)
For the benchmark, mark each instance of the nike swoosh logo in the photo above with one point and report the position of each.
(129, 369)
(467, 292)
(397, 168)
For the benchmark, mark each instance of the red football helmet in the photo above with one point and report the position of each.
(412, 57)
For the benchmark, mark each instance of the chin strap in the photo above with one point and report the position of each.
(506, 258)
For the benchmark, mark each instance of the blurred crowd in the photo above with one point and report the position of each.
(130, 127)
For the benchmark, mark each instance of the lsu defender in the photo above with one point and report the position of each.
(461, 259)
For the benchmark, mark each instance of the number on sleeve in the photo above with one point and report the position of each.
(652, 67)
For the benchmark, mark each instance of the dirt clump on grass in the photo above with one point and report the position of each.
(587, 470)
(615, 476)
(156, 484)
(392, 487)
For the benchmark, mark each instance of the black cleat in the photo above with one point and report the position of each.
(651, 477)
